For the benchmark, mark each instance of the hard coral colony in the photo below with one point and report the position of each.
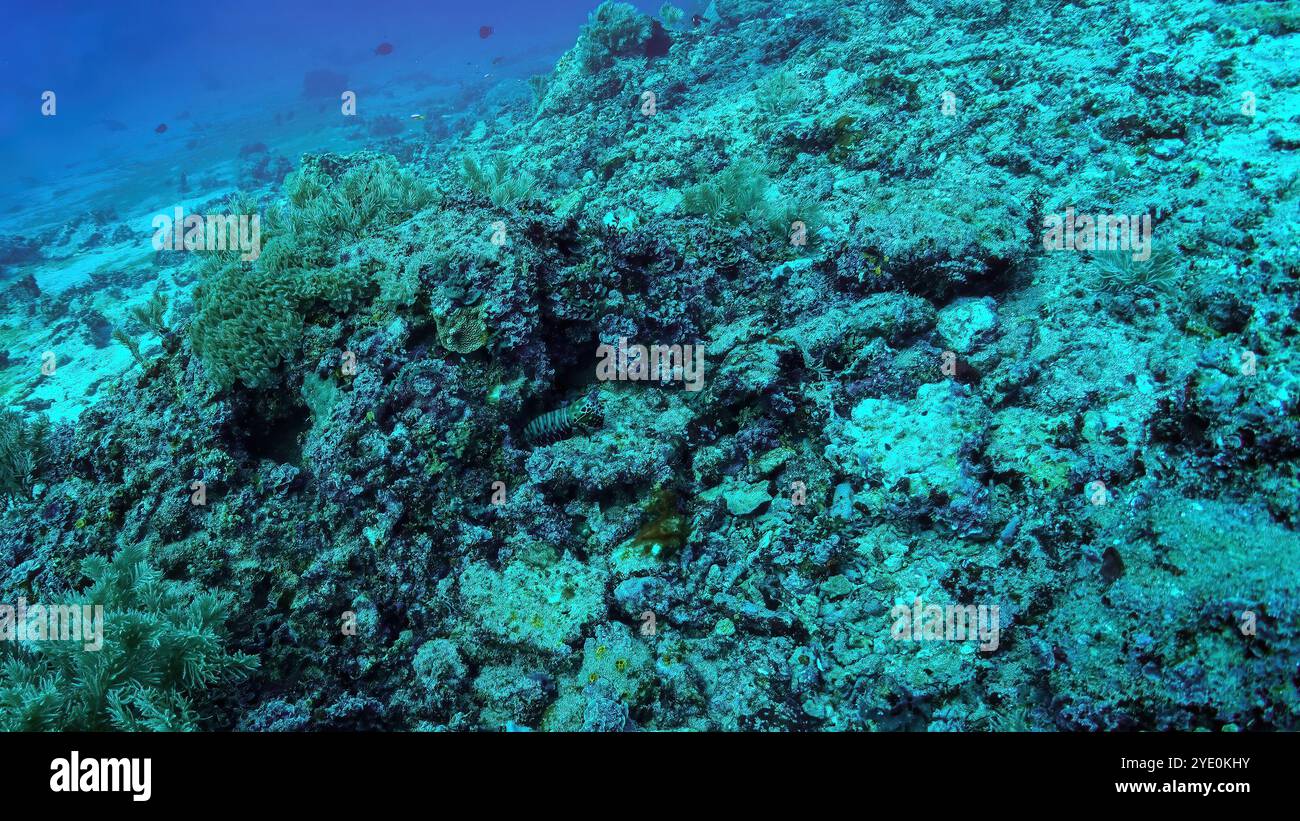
(938, 472)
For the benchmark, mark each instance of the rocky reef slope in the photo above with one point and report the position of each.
(906, 399)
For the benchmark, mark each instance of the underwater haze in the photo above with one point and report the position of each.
(735, 365)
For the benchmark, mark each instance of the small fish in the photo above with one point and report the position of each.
(417, 116)
(384, 48)
(162, 127)
(496, 61)
(485, 32)
(114, 125)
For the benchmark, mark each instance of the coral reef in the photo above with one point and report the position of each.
(162, 647)
(20, 444)
(388, 438)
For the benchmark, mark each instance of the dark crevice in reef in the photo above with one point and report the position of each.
(277, 437)
(659, 42)
(999, 278)
(553, 233)
(570, 347)
(575, 361)
(423, 341)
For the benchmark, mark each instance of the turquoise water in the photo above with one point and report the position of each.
(715, 366)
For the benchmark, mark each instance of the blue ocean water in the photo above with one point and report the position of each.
(218, 78)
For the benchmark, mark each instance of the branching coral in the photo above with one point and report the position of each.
(20, 445)
(250, 316)
(734, 195)
(793, 217)
(152, 312)
(496, 181)
(162, 646)
(151, 316)
(671, 15)
(539, 83)
(780, 94)
(613, 30)
(741, 193)
(132, 344)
